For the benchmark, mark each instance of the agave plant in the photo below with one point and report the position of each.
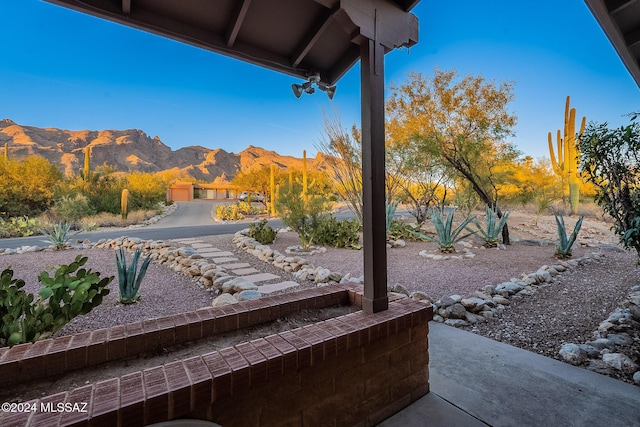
(493, 226)
(129, 279)
(390, 208)
(563, 248)
(446, 235)
(58, 235)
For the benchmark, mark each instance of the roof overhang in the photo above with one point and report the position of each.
(620, 20)
(296, 37)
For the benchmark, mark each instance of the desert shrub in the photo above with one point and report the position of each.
(71, 208)
(610, 160)
(72, 291)
(262, 232)
(339, 234)
(106, 219)
(399, 230)
(146, 190)
(28, 186)
(21, 226)
(229, 212)
(302, 212)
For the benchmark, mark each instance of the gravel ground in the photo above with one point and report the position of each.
(568, 310)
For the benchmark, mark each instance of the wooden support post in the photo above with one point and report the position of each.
(373, 178)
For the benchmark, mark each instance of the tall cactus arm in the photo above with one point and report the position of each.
(554, 164)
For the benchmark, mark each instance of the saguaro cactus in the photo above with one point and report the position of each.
(566, 163)
(124, 204)
(87, 163)
(6, 151)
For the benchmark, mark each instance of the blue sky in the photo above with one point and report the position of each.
(63, 69)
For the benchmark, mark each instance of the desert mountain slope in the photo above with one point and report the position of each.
(133, 150)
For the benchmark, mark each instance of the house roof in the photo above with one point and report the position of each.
(297, 37)
(620, 20)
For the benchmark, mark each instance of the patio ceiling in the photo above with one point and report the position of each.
(296, 37)
(620, 20)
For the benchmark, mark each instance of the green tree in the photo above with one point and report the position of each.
(462, 120)
(610, 160)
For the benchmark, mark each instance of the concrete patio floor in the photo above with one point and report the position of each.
(476, 381)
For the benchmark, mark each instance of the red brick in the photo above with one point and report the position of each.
(33, 361)
(195, 325)
(181, 323)
(77, 351)
(243, 316)
(207, 315)
(225, 322)
(274, 308)
(317, 344)
(17, 419)
(288, 351)
(134, 333)
(131, 399)
(353, 334)
(48, 417)
(240, 372)
(201, 382)
(303, 348)
(275, 367)
(327, 338)
(257, 362)
(97, 348)
(221, 373)
(116, 343)
(257, 313)
(106, 401)
(55, 361)
(16, 353)
(156, 405)
(151, 335)
(166, 330)
(79, 403)
(331, 326)
(179, 389)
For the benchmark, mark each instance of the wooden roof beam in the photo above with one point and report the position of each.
(312, 37)
(236, 23)
(615, 6)
(126, 7)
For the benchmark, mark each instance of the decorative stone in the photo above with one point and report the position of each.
(456, 311)
(420, 296)
(473, 304)
(456, 322)
(620, 362)
(398, 288)
(509, 287)
(572, 353)
(238, 284)
(248, 295)
(223, 299)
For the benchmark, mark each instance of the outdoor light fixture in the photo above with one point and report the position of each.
(307, 87)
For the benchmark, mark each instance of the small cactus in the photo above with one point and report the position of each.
(124, 204)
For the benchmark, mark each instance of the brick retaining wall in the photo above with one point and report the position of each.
(355, 369)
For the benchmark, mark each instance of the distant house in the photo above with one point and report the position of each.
(183, 191)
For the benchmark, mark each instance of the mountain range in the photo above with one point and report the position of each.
(133, 150)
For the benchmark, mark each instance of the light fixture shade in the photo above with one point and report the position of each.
(331, 90)
(297, 90)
